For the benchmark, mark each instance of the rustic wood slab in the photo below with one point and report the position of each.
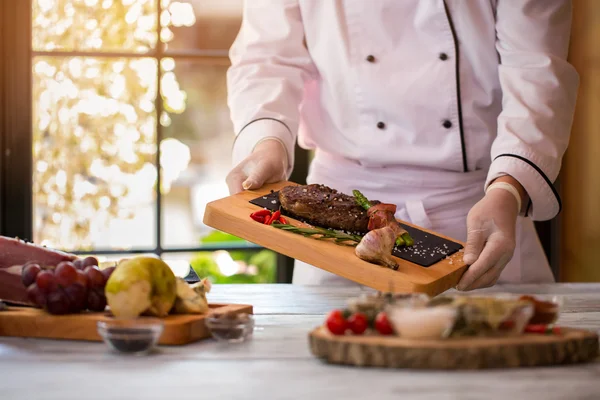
(277, 363)
(232, 215)
(572, 346)
(35, 323)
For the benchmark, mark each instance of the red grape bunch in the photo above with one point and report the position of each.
(68, 288)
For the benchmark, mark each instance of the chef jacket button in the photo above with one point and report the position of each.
(381, 125)
(447, 124)
(371, 58)
(443, 56)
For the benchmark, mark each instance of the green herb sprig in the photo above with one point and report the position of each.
(320, 233)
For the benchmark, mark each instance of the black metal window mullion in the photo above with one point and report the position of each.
(15, 119)
(159, 107)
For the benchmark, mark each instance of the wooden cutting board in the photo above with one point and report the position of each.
(232, 215)
(572, 346)
(35, 323)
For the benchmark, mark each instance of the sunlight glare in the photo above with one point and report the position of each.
(175, 158)
(117, 89)
(46, 5)
(147, 105)
(166, 35)
(91, 24)
(61, 179)
(225, 263)
(104, 202)
(182, 14)
(167, 64)
(134, 13)
(165, 119)
(69, 10)
(75, 67)
(165, 18)
(42, 166)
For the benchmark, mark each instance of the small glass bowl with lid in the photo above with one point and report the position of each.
(135, 336)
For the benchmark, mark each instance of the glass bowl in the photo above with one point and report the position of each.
(502, 314)
(231, 328)
(547, 308)
(419, 322)
(131, 336)
(514, 320)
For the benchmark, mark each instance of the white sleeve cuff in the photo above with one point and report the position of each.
(544, 200)
(257, 131)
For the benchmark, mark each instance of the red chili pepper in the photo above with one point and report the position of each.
(258, 218)
(273, 218)
(283, 220)
(268, 219)
(542, 329)
(261, 213)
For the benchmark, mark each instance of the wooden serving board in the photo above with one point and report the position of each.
(573, 346)
(36, 323)
(232, 215)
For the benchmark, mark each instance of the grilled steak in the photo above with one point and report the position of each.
(325, 207)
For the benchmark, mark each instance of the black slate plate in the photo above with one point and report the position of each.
(192, 276)
(427, 250)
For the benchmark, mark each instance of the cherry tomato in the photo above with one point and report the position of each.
(382, 324)
(336, 323)
(358, 323)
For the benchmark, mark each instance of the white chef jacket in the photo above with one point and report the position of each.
(445, 86)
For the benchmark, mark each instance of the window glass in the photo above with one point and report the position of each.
(94, 152)
(94, 25)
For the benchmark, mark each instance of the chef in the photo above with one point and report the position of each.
(459, 112)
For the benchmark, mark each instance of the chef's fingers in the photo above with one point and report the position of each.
(493, 274)
(234, 183)
(486, 280)
(235, 180)
(494, 251)
(258, 173)
(475, 241)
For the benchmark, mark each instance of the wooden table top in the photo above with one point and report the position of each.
(277, 363)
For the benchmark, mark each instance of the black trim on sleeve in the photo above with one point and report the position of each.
(539, 171)
(528, 207)
(460, 118)
(260, 119)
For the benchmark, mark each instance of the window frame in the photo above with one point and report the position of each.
(16, 128)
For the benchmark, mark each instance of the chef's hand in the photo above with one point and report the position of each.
(267, 164)
(491, 225)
